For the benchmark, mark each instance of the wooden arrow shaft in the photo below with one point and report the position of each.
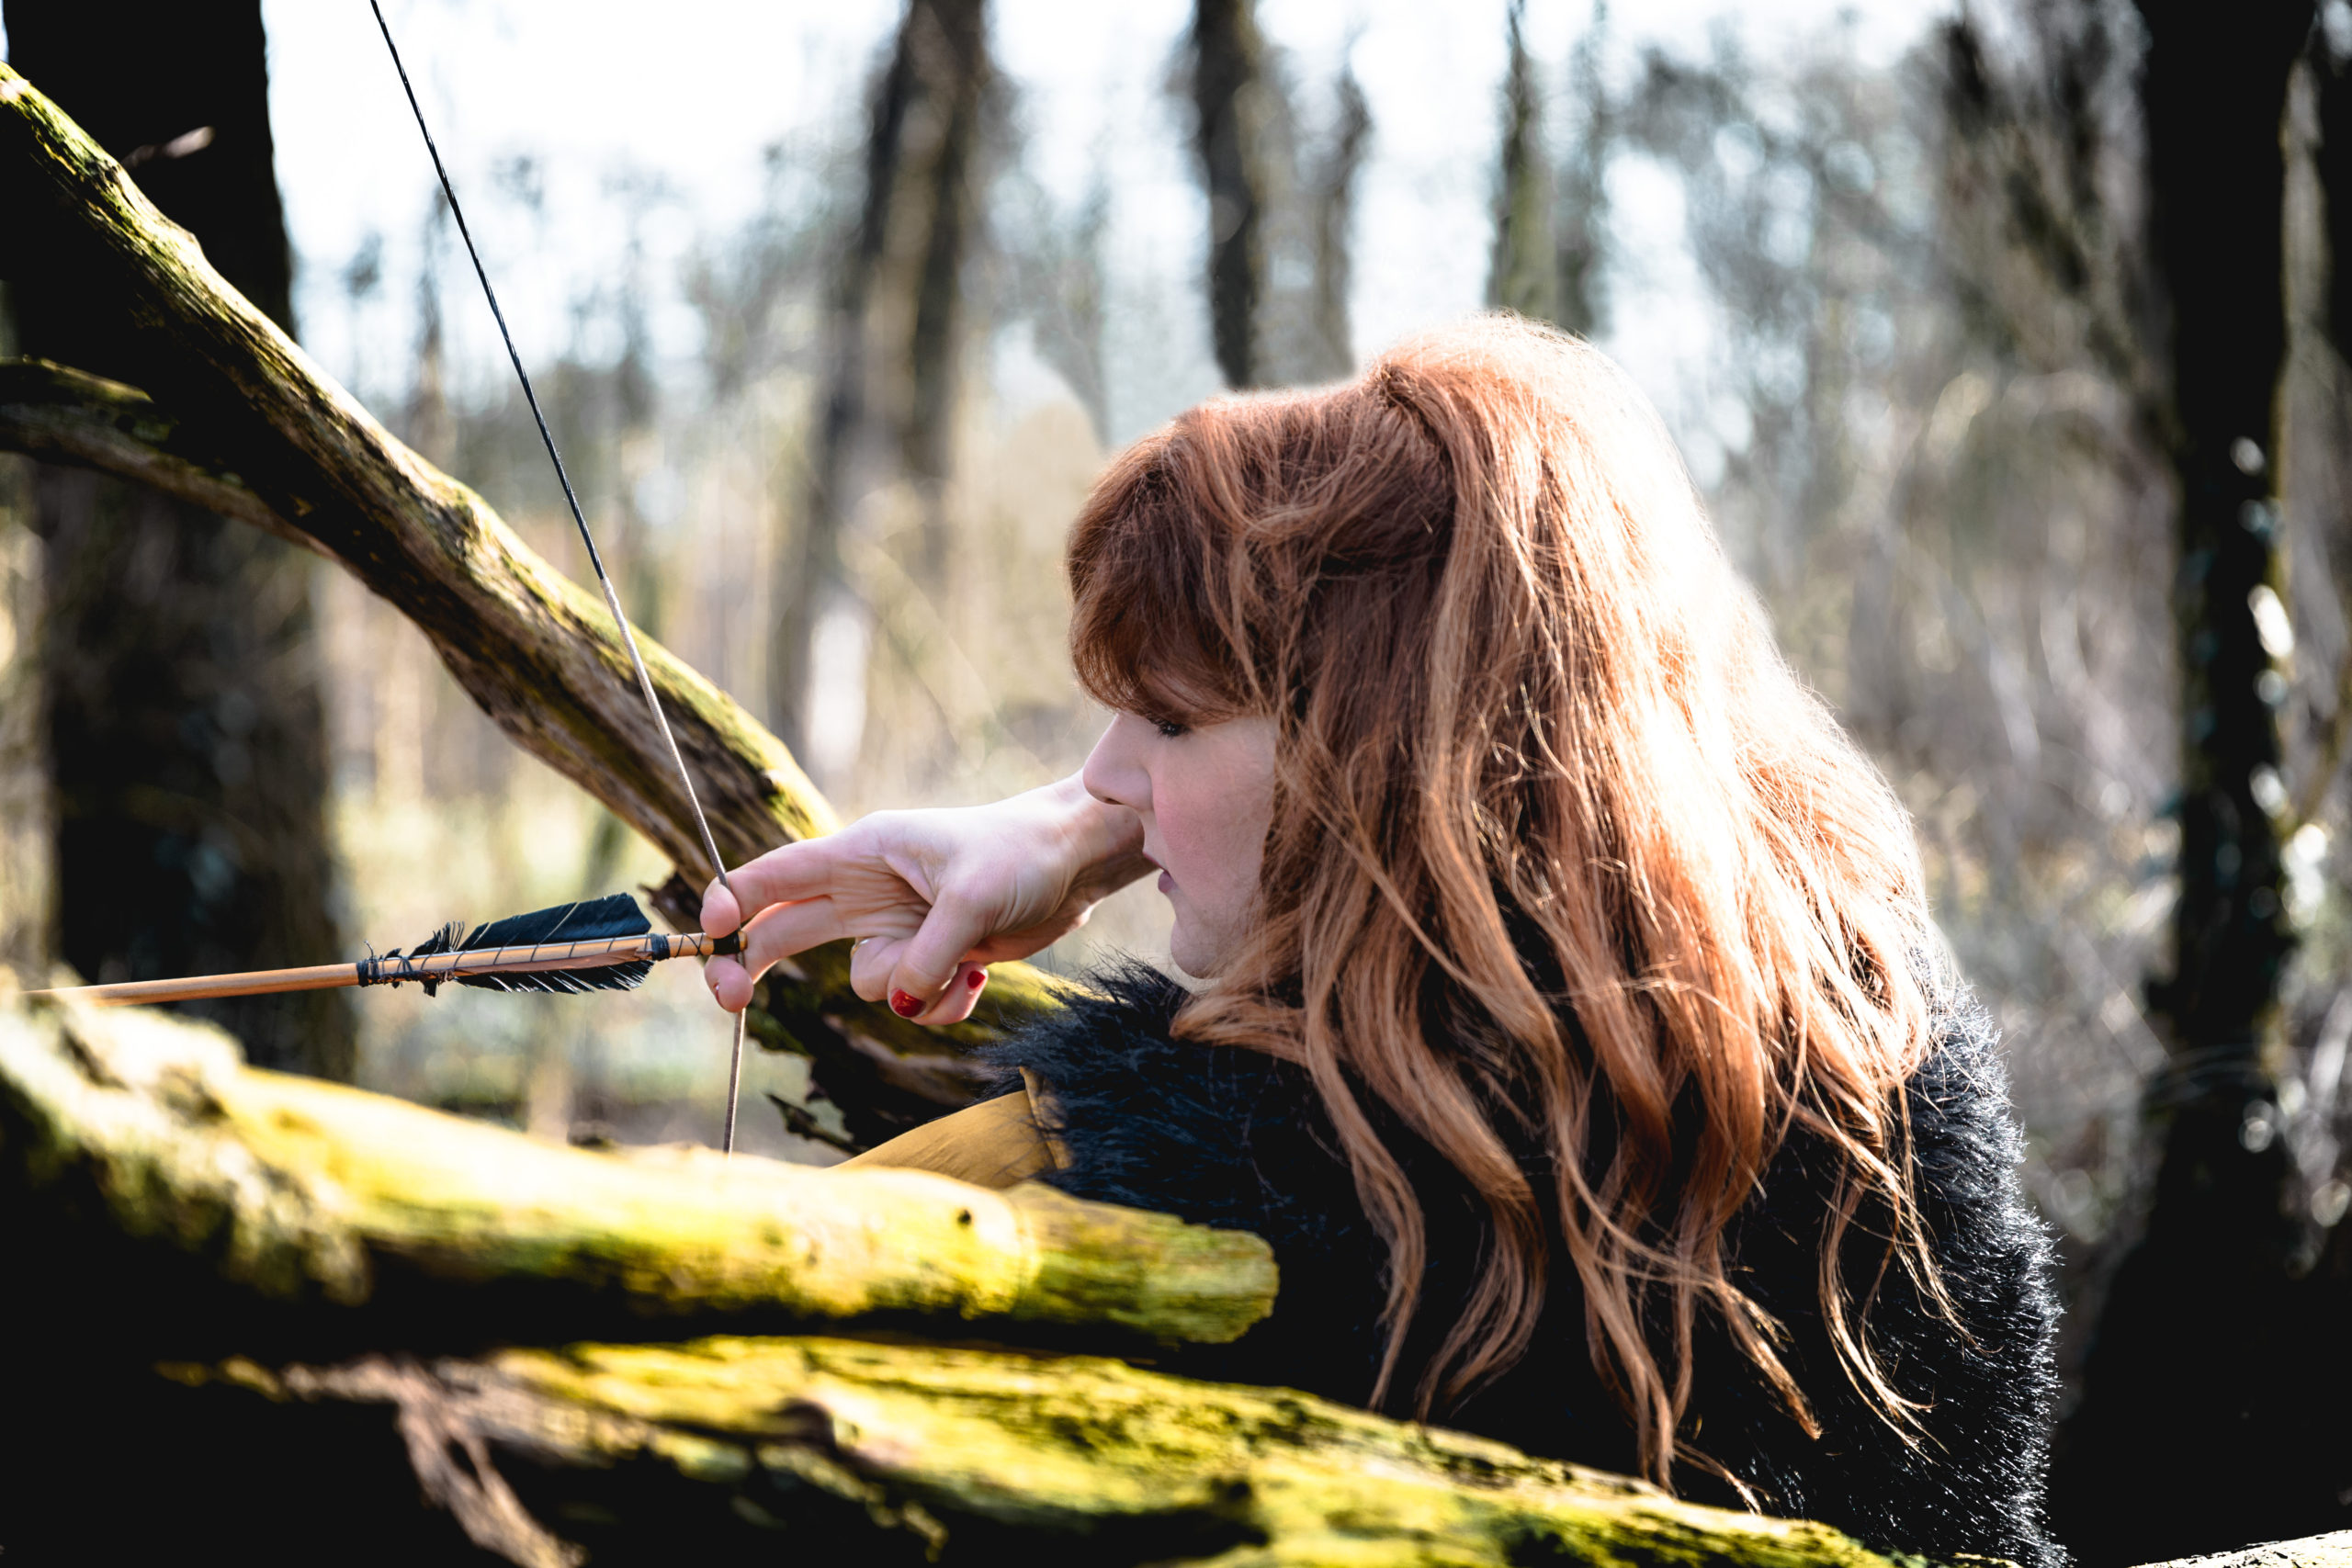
(649, 947)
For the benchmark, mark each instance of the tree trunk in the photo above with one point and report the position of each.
(1581, 208)
(371, 1221)
(849, 1450)
(2186, 1437)
(280, 446)
(1523, 274)
(184, 725)
(1333, 215)
(896, 338)
(27, 813)
(1231, 100)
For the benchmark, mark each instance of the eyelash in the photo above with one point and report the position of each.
(1169, 728)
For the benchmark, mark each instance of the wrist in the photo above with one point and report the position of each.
(1105, 842)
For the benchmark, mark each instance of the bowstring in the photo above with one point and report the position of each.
(595, 557)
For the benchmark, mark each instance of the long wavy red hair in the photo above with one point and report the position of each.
(1564, 856)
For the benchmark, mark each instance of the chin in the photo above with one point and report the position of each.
(1188, 955)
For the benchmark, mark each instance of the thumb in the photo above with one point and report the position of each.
(952, 928)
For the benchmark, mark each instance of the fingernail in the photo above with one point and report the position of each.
(976, 978)
(906, 1004)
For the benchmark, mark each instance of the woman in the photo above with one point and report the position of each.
(1569, 1019)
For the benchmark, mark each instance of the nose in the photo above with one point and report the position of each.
(1114, 774)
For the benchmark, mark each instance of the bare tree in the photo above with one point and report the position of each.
(1231, 100)
(185, 720)
(1581, 207)
(1332, 212)
(28, 808)
(1524, 275)
(1552, 209)
(1282, 203)
(898, 324)
(2171, 1452)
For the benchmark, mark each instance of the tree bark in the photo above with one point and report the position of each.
(1230, 102)
(379, 1219)
(1522, 275)
(2185, 1439)
(537, 651)
(185, 728)
(1581, 206)
(1332, 214)
(914, 1453)
(28, 803)
(899, 321)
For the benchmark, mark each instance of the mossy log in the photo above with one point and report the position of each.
(136, 1125)
(133, 1131)
(232, 415)
(843, 1449)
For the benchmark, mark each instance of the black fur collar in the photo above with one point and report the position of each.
(1230, 1138)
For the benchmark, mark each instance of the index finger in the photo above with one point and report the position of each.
(784, 875)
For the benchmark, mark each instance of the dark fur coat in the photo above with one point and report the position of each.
(1229, 1138)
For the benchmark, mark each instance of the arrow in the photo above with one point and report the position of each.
(599, 945)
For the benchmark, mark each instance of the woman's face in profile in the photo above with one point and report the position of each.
(1205, 796)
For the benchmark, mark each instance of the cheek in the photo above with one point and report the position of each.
(1213, 838)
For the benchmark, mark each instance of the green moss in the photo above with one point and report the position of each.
(302, 1190)
(1074, 1458)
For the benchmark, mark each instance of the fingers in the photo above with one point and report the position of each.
(957, 1001)
(720, 914)
(913, 954)
(729, 983)
(870, 963)
(873, 962)
(782, 929)
(927, 967)
(789, 872)
(778, 931)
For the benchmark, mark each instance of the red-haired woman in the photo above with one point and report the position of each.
(1569, 1017)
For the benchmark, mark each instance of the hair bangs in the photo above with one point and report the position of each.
(1148, 634)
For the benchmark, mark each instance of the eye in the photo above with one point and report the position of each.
(1169, 728)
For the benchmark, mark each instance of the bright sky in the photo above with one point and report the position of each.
(684, 106)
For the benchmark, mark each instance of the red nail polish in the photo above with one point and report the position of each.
(905, 1003)
(976, 978)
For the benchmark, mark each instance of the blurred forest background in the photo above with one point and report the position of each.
(2008, 344)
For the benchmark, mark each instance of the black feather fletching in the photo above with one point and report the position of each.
(616, 914)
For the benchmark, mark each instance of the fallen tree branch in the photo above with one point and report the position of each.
(913, 1453)
(292, 1190)
(236, 417)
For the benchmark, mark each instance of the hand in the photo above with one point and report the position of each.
(932, 897)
